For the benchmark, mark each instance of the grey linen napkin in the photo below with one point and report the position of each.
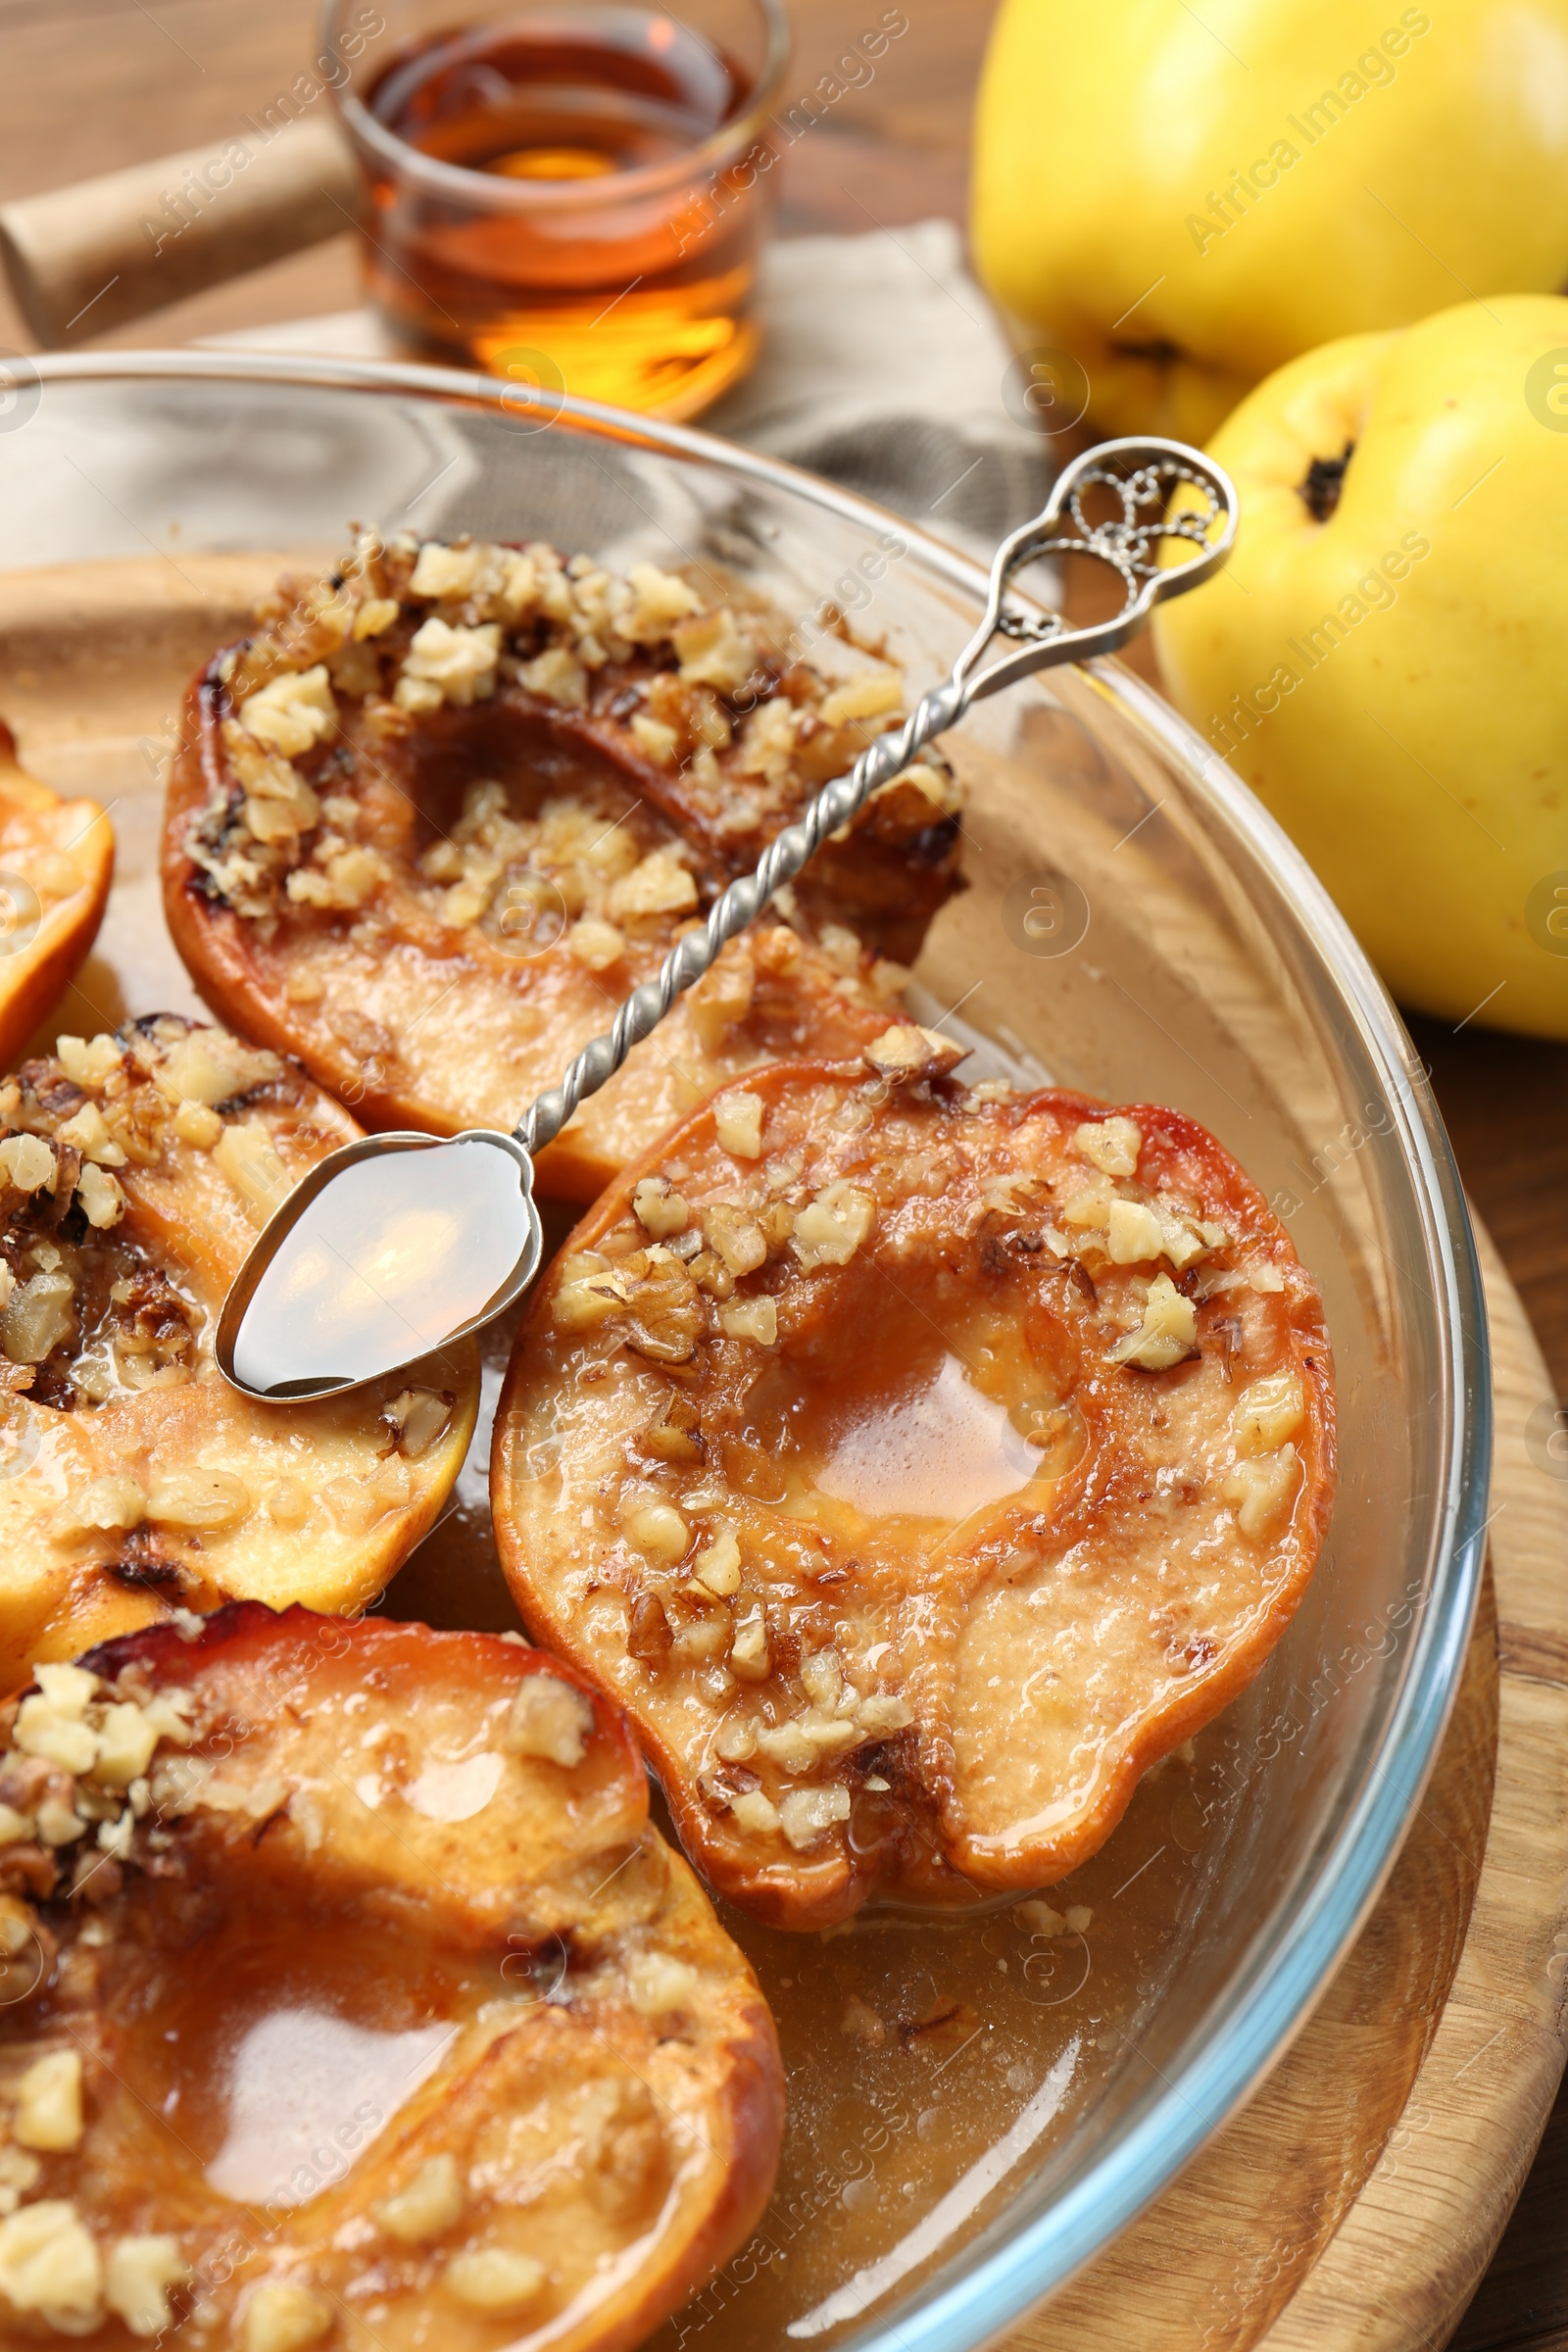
(885, 370)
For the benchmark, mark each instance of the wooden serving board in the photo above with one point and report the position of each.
(1355, 2203)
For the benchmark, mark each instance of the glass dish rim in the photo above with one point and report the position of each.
(1292, 1960)
(480, 189)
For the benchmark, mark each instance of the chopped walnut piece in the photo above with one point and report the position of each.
(549, 1719)
(90, 1062)
(137, 2278)
(713, 652)
(48, 2112)
(1267, 1412)
(102, 1201)
(717, 1566)
(658, 1529)
(661, 1211)
(281, 2317)
(908, 1051)
(1167, 1332)
(735, 1236)
(454, 665)
(495, 2280)
(830, 1229)
(1262, 1490)
(49, 2264)
(26, 1162)
(292, 713)
(418, 1417)
(429, 2206)
(874, 693)
(559, 676)
(738, 1121)
(807, 1814)
(1112, 1144)
(1133, 1233)
(658, 885)
(753, 1319)
(749, 1657)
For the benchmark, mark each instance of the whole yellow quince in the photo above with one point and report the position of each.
(1383, 661)
(1170, 202)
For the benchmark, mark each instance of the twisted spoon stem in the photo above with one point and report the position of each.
(1142, 474)
(834, 805)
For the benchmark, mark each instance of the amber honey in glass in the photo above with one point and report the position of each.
(573, 195)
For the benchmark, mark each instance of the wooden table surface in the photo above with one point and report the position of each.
(89, 84)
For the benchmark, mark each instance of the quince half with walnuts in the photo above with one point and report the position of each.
(351, 2000)
(446, 809)
(917, 1464)
(135, 1171)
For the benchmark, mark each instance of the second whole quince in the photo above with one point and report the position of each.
(1169, 202)
(1382, 658)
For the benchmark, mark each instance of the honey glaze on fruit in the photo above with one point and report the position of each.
(351, 2000)
(917, 1463)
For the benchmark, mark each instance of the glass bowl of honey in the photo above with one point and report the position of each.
(573, 197)
(978, 2102)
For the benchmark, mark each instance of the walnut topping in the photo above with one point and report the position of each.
(1167, 1332)
(1262, 1491)
(280, 2317)
(136, 2278)
(1267, 1412)
(49, 2264)
(738, 1122)
(495, 2280)
(701, 692)
(661, 1211)
(292, 713)
(429, 2206)
(832, 1227)
(48, 2114)
(447, 665)
(1112, 1144)
(906, 1052)
(549, 1719)
(418, 1417)
(872, 695)
(753, 1319)
(805, 1814)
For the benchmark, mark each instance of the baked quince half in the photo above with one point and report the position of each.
(135, 1171)
(352, 2001)
(433, 822)
(916, 1464)
(55, 859)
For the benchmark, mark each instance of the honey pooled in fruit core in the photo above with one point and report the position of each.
(903, 1423)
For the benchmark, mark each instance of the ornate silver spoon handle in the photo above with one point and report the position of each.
(1142, 475)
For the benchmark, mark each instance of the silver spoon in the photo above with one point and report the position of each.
(399, 1244)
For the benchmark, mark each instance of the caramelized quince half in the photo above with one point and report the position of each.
(135, 1171)
(55, 859)
(916, 1464)
(353, 2001)
(446, 809)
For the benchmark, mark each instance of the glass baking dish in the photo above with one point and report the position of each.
(1134, 924)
